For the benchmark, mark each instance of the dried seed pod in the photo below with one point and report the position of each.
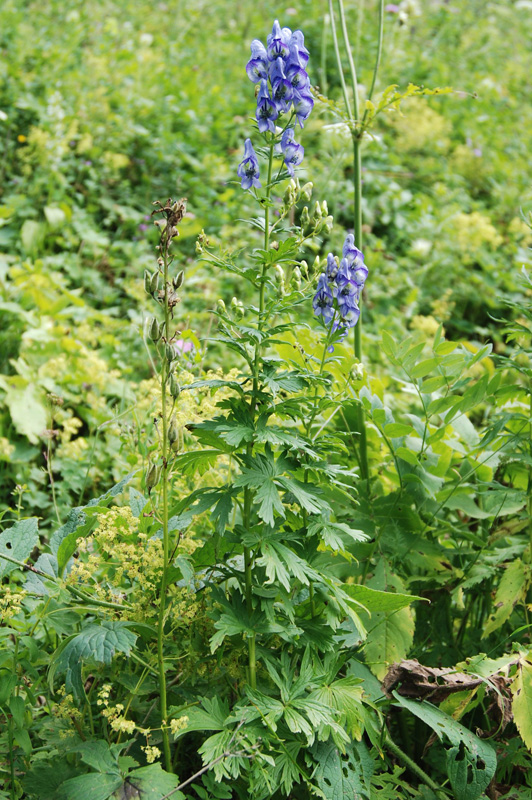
(154, 330)
(173, 385)
(152, 476)
(173, 430)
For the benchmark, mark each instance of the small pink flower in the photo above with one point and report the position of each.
(183, 346)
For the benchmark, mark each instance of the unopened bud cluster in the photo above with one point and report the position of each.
(294, 192)
(320, 220)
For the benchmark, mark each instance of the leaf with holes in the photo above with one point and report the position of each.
(511, 591)
(344, 776)
(17, 542)
(471, 762)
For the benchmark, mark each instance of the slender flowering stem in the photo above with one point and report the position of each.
(248, 555)
(166, 544)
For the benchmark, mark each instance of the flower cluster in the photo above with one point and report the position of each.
(339, 288)
(279, 69)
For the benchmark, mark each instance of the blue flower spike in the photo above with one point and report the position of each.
(339, 288)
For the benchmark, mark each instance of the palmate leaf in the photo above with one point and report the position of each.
(96, 643)
(283, 565)
(345, 696)
(18, 543)
(471, 762)
(196, 461)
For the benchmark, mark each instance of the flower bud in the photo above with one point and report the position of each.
(173, 385)
(324, 208)
(173, 430)
(289, 197)
(305, 218)
(152, 476)
(317, 211)
(154, 330)
(234, 303)
(303, 267)
(328, 223)
(239, 311)
(316, 265)
(169, 352)
(178, 280)
(306, 191)
(279, 274)
(295, 280)
(220, 306)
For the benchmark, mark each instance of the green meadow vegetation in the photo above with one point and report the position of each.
(253, 544)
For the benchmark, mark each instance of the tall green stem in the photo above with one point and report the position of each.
(248, 554)
(414, 768)
(356, 132)
(166, 540)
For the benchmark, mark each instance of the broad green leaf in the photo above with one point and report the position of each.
(511, 591)
(522, 700)
(18, 542)
(31, 235)
(375, 600)
(344, 776)
(464, 502)
(92, 786)
(54, 216)
(389, 638)
(28, 413)
(424, 367)
(395, 429)
(471, 762)
(149, 783)
(97, 643)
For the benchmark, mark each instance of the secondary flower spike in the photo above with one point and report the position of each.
(248, 169)
(339, 288)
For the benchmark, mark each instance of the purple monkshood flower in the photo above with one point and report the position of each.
(282, 91)
(303, 105)
(344, 285)
(298, 40)
(257, 66)
(323, 300)
(248, 169)
(292, 151)
(278, 42)
(332, 267)
(266, 109)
